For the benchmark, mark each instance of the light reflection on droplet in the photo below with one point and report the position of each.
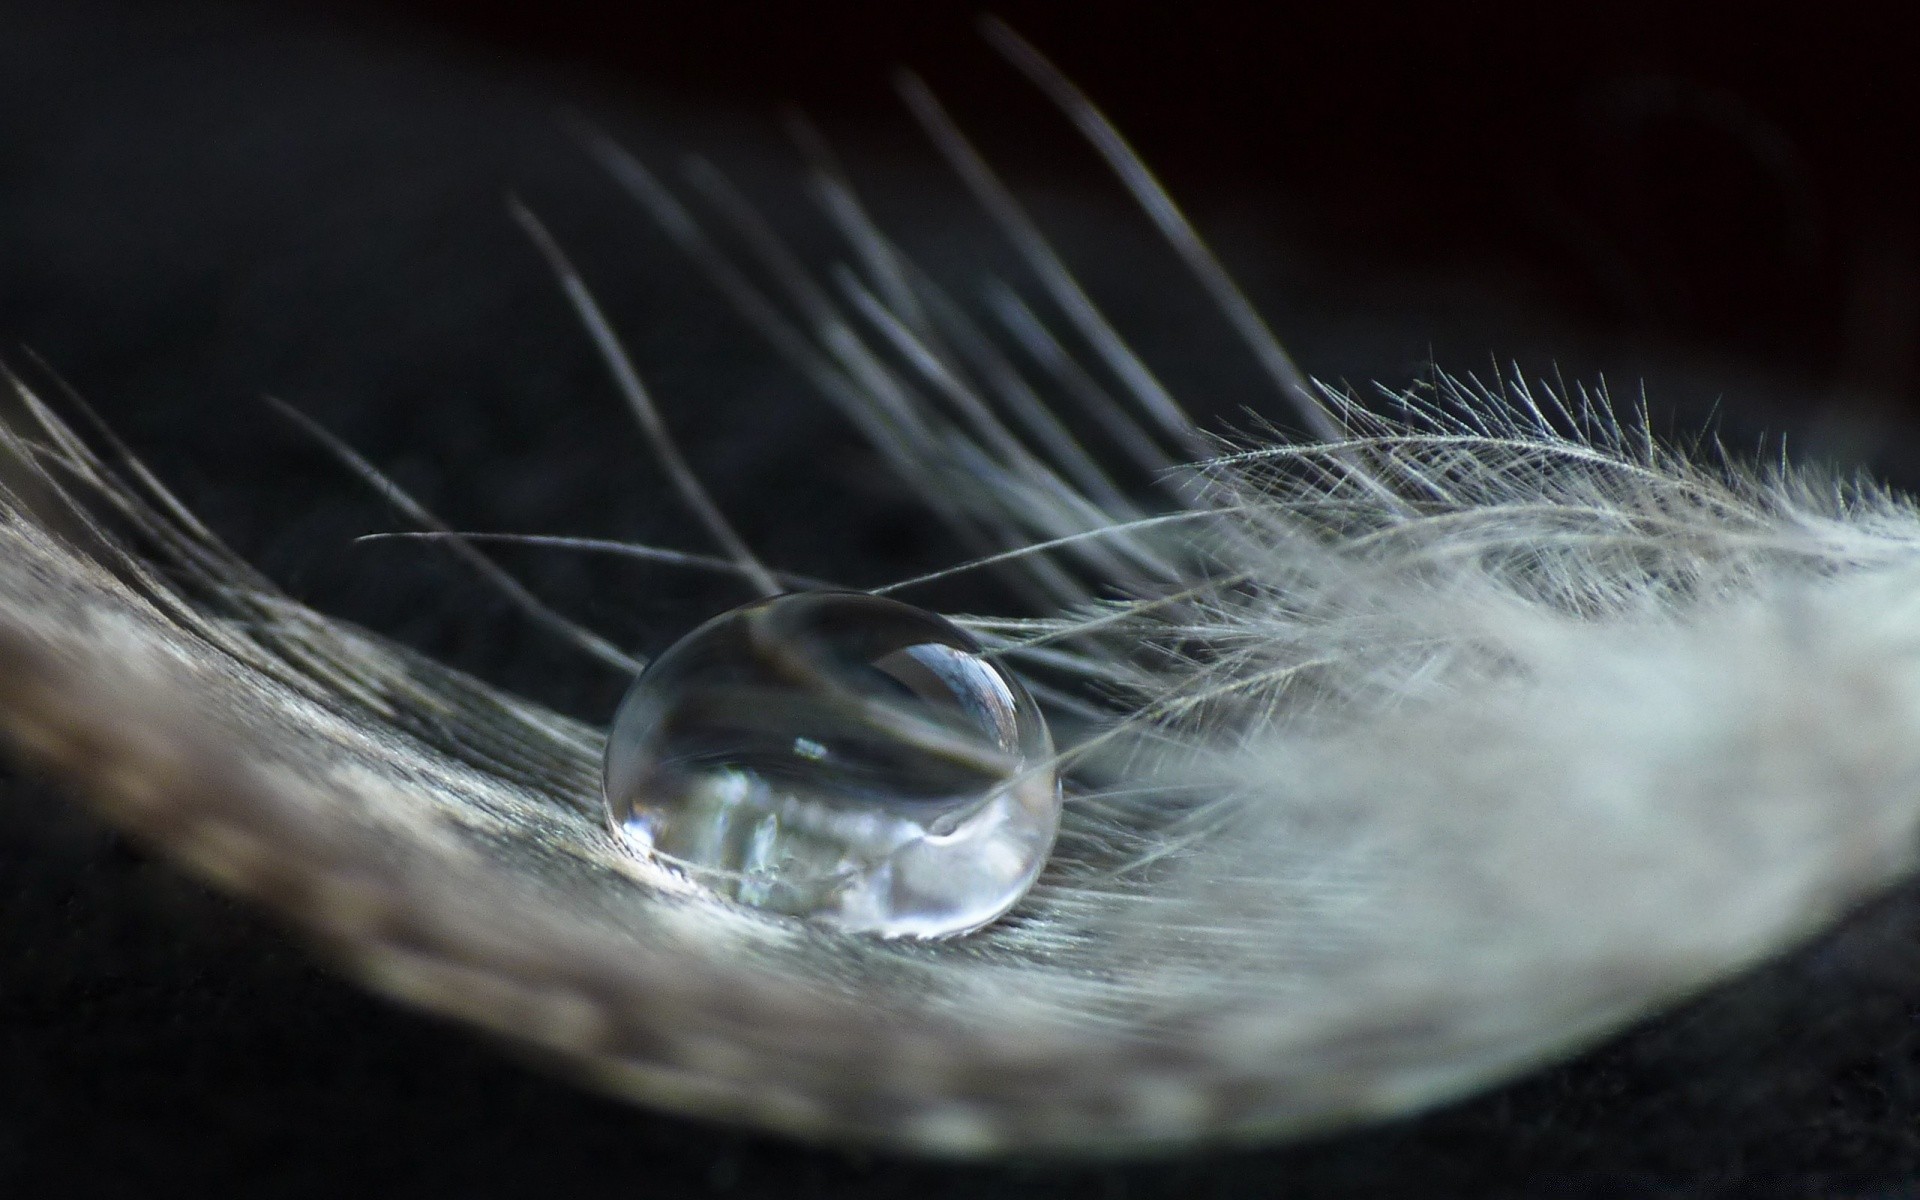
(840, 757)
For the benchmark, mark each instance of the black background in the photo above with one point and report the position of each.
(201, 203)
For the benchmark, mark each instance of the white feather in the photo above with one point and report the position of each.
(1402, 760)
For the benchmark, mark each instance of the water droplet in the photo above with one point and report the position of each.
(841, 757)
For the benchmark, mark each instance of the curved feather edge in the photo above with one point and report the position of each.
(1563, 736)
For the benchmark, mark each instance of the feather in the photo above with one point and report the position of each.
(1401, 760)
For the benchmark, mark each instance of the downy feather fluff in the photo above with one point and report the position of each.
(1401, 759)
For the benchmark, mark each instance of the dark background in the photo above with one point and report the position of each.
(201, 203)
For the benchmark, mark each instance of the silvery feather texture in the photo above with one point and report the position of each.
(1421, 736)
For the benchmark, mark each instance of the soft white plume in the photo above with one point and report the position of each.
(1402, 760)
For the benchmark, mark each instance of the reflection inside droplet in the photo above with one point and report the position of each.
(837, 756)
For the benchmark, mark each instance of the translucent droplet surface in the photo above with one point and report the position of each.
(841, 757)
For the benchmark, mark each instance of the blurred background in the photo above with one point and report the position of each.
(1739, 177)
(204, 202)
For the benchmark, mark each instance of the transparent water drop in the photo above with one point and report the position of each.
(841, 757)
